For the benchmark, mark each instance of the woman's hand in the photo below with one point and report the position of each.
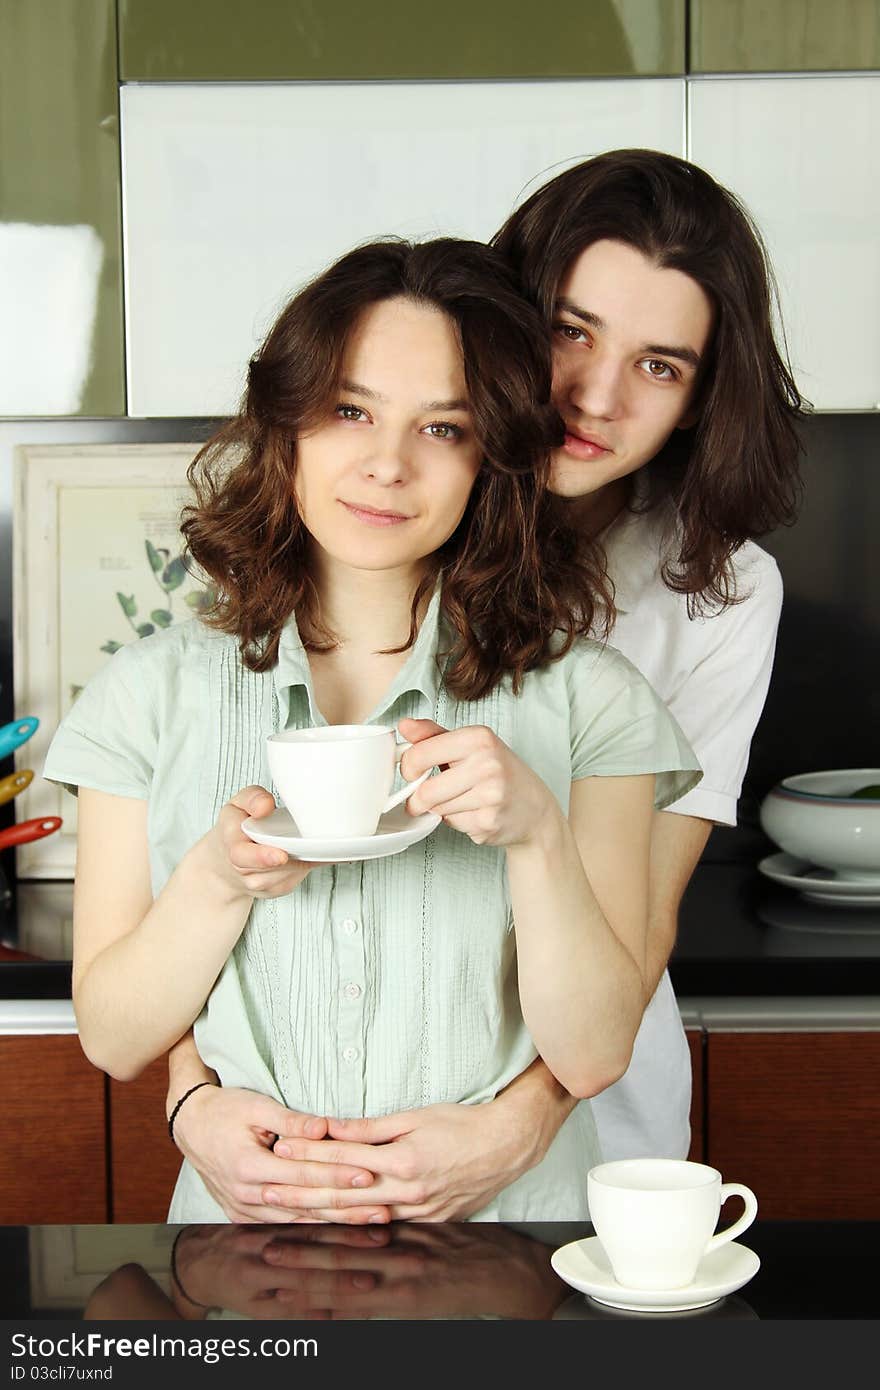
(246, 868)
(227, 1135)
(484, 790)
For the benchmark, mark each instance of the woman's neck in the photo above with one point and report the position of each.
(369, 610)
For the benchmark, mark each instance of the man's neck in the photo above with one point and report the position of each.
(594, 513)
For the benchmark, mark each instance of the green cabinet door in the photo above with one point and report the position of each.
(784, 35)
(278, 40)
(61, 327)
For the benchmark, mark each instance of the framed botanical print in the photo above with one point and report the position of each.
(97, 563)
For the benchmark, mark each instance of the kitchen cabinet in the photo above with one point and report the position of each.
(696, 1039)
(796, 1116)
(61, 336)
(53, 1165)
(311, 169)
(787, 36)
(802, 154)
(212, 40)
(144, 1161)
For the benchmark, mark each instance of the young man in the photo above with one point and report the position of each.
(680, 449)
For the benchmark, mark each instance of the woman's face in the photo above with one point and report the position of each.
(385, 479)
(628, 342)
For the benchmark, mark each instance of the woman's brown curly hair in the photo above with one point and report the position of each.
(735, 476)
(518, 588)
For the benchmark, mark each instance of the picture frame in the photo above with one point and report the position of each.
(96, 564)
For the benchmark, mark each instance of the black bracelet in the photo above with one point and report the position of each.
(174, 1274)
(186, 1095)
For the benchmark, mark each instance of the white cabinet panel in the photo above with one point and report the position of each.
(804, 155)
(234, 195)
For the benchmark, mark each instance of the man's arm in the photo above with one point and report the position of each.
(676, 845)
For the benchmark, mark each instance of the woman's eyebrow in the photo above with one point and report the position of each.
(683, 353)
(358, 389)
(459, 404)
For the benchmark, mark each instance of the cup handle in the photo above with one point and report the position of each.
(734, 1189)
(409, 787)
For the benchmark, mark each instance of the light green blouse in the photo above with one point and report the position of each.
(386, 984)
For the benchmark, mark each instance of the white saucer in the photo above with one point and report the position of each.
(584, 1265)
(396, 830)
(820, 885)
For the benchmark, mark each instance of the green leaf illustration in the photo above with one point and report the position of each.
(200, 600)
(127, 603)
(174, 575)
(110, 646)
(145, 629)
(155, 559)
(161, 617)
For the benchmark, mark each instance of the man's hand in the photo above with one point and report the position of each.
(446, 1162)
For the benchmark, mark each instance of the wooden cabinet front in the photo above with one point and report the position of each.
(145, 1161)
(696, 1042)
(796, 1116)
(53, 1166)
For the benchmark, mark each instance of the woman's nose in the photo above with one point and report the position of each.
(387, 462)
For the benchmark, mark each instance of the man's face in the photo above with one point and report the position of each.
(628, 342)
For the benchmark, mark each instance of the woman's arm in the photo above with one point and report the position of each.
(143, 968)
(578, 887)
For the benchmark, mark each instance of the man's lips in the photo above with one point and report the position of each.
(372, 516)
(584, 446)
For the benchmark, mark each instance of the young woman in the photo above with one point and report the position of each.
(680, 449)
(384, 549)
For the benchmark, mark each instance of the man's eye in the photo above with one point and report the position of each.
(660, 371)
(570, 332)
(350, 412)
(444, 429)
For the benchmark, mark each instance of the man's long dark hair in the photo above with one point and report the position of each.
(735, 475)
(517, 588)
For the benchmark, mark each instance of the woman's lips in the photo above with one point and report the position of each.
(371, 517)
(580, 447)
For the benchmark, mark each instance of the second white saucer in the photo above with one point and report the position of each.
(396, 831)
(584, 1265)
(820, 885)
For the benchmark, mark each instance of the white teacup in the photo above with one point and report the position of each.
(336, 780)
(655, 1216)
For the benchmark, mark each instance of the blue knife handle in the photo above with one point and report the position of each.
(13, 735)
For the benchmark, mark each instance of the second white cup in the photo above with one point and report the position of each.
(655, 1216)
(336, 780)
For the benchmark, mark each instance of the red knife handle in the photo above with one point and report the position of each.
(28, 830)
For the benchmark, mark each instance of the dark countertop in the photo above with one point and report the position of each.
(446, 1270)
(740, 936)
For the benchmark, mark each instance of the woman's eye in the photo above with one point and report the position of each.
(660, 371)
(350, 412)
(570, 332)
(444, 429)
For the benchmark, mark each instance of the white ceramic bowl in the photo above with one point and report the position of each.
(816, 817)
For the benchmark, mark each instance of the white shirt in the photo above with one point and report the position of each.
(712, 673)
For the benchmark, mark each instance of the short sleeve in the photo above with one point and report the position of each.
(620, 727)
(721, 702)
(108, 739)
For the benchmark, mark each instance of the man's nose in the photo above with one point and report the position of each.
(596, 390)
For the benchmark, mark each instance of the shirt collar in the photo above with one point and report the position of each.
(421, 672)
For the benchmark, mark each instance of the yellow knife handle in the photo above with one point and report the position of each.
(13, 784)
